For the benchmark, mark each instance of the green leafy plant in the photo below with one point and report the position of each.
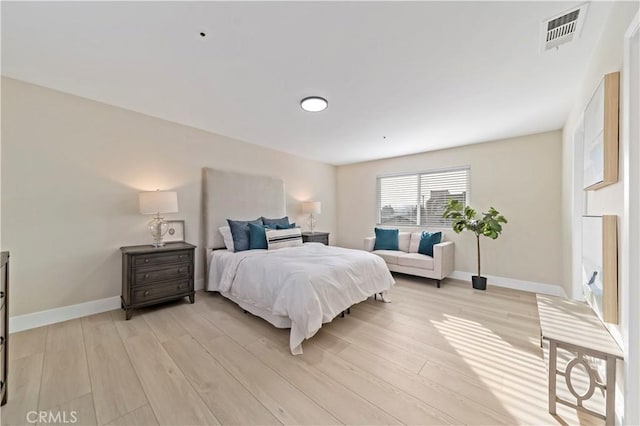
(464, 217)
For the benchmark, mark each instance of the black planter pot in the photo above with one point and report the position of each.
(479, 283)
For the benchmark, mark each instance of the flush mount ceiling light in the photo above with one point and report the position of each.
(314, 104)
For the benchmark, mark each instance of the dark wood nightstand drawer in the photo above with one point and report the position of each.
(316, 237)
(144, 276)
(3, 290)
(4, 326)
(3, 371)
(3, 377)
(162, 258)
(146, 294)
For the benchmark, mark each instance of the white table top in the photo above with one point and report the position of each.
(575, 323)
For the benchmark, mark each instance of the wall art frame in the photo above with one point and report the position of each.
(601, 134)
(600, 265)
(175, 233)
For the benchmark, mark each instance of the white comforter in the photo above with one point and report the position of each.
(310, 284)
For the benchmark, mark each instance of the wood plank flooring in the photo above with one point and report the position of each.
(433, 356)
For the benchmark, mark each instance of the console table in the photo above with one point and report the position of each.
(573, 326)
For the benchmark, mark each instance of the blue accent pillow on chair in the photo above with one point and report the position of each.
(240, 232)
(257, 236)
(386, 239)
(274, 223)
(427, 241)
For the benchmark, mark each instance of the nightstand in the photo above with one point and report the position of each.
(316, 237)
(4, 327)
(153, 275)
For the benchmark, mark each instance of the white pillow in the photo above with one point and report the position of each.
(228, 238)
(279, 238)
(403, 241)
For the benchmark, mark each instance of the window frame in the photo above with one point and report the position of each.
(418, 174)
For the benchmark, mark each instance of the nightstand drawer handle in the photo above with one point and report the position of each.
(146, 260)
(182, 256)
(1, 340)
(1, 294)
(146, 293)
(180, 270)
(181, 286)
(146, 276)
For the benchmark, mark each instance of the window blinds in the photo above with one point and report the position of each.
(419, 199)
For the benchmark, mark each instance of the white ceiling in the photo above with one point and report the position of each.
(427, 75)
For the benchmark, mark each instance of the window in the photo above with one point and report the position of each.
(419, 199)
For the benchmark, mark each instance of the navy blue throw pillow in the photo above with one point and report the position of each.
(427, 241)
(386, 239)
(290, 226)
(240, 232)
(274, 223)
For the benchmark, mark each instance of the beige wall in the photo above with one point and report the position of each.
(607, 57)
(520, 177)
(71, 172)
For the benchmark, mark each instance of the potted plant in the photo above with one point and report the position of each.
(489, 225)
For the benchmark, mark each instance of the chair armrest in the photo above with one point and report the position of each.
(443, 259)
(369, 243)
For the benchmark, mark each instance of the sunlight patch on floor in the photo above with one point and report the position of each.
(517, 378)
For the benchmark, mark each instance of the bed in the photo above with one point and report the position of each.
(299, 288)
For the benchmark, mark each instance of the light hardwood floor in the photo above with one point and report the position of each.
(433, 356)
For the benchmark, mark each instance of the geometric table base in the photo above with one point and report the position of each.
(608, 388)
(574, 326)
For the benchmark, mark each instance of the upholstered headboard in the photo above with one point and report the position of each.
(228, 195)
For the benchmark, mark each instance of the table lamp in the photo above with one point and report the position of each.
(311, 208)
(157, 202)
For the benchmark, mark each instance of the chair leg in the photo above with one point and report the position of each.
(375, 296)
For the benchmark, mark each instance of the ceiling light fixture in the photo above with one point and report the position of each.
(314, 104)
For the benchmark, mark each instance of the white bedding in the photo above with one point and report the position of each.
(310, 285)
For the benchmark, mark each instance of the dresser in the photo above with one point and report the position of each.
(316, 237)
(153, 275)
(4, 326)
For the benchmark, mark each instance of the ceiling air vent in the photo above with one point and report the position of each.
(563, 28)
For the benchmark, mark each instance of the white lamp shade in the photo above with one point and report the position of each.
(314, 207)
(154, 202)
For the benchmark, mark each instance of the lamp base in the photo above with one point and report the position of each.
(158, 227)
(312, 222)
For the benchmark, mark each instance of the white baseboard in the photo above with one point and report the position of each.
(65, 313)
(533, 287)
(198, 284)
